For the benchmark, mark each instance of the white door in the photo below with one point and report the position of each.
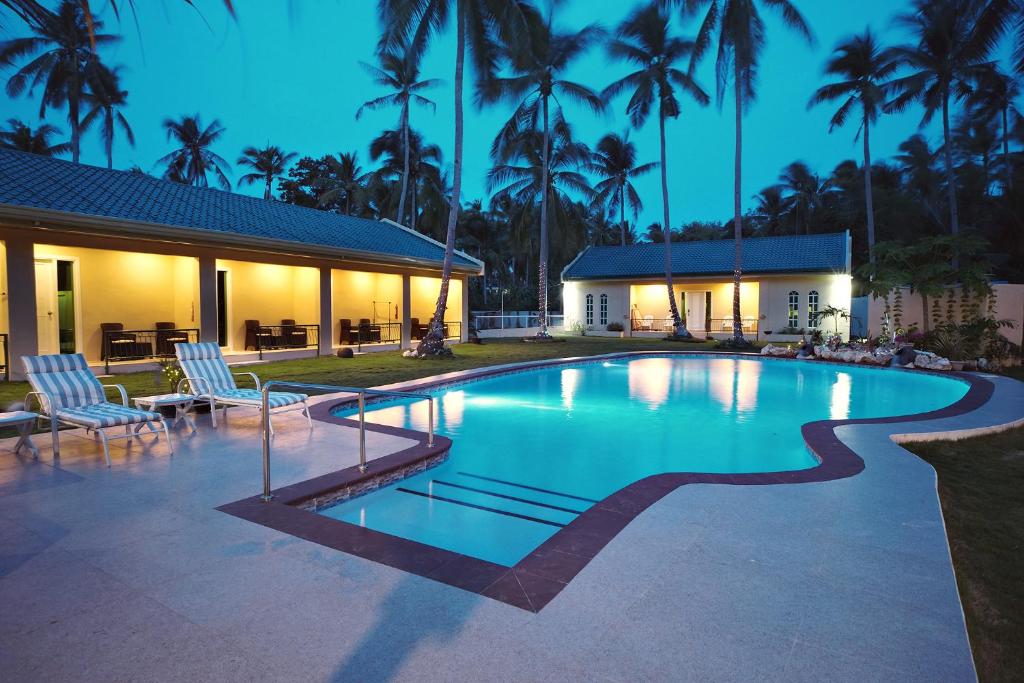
(46, 307)
(695, 310)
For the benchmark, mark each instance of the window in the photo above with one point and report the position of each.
(604, 309)
(590, 310)
(793, 318)
(812, 308)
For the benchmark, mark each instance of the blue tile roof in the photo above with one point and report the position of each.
(29, 180)
(790, 254)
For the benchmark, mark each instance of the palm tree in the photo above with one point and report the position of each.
(536, 66)
(68, 65)
(480, 24)
(808, 194)
(772, 207)
(422, 164)
(267, 163)
(741, 39)
(106, 106)
(954, 38)
(917, 165)
(346, 179)
(995, 95)
(20, 136)
(644, 39)
(977, 142)
(193, 158)
(863, 67)
(614, 161)
(400, 72)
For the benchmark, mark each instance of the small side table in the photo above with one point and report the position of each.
(182, 407)
(23, 420)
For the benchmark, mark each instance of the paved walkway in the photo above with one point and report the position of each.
(129, 573)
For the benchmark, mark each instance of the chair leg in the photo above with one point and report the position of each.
(54, 429)
(213, 412)
(106, 445)
(167, 433)
(309, 418)
(270, 422)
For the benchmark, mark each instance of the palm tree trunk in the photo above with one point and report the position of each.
(622, 216)
(108, 139)
(677, 323)
(954, 219)
(432, 343)
(76, 133)
(1006, 154)
(266, 192)
(867, 190)
(413, 208)
(542, 265)
(405, 160)
(737, 221)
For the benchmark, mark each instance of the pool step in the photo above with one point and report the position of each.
(507, 513)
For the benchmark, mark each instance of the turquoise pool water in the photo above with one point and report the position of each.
(532, 450)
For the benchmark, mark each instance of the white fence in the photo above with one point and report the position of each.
(513, 323)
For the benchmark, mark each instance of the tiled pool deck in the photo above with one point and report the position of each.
(129, 573)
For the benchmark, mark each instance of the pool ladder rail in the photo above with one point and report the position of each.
(361, 394)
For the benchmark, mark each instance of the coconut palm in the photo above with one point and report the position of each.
(400, 72)
(480, 25)
(267, 164)
(193, 159)
(954, 40)
(771, 209)
(863, 67)
(20, 136)
(537, 66)
(917, 162)
(995, 96)
(106, 106)
(741, 38)
(807, 196)
(66, 63)
(644, 39)
(345, 179)
(977, 143)
(405, 154)
(614, 162)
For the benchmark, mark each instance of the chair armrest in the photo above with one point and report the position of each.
(250, 374)
(120, 388)
(44, 406)
(195, 385)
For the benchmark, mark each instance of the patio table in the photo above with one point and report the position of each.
(22, 420)
(182, 407)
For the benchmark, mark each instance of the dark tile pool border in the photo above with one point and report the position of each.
(536, 579)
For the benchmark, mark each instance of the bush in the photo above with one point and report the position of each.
(615, 327)
(734, 344)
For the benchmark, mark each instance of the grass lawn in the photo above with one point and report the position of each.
(372, 369)
(980, 484)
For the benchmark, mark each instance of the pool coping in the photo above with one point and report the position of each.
(541, 575)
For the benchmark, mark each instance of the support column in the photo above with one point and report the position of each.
(326, 312)
(23, 333)
(464, 337)
(207, 299)
(406, 313)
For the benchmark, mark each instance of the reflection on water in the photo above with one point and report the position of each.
(649, 380)
(733, 384)
(453, 404)
(839, 408)
(570, 382)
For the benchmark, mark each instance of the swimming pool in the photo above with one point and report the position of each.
(533, 450)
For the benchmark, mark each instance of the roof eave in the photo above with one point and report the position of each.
(126, 227)
(728, 273)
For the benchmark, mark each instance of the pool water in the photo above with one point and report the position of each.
(532, 450)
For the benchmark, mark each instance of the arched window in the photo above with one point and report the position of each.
(812, 308)
(793, 318)
(590, 310)
(604, 309)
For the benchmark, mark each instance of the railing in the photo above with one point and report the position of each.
(372, 333)
(713, 325)
(361, 394)
(5, 358)
(121, 345)
(272, 337)
(720, 325)
(651, 324)
(515, 321)
(452, 330)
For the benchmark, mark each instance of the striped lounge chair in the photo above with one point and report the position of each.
(69, 394)
(209, 379)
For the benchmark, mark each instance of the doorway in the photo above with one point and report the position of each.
(56, 307)
(698, 310)
(222, 308)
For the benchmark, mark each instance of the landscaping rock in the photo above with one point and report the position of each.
(778, 351)
(905, 356)
(345, 353)
(929, 361)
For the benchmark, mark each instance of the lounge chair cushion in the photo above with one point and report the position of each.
(205, 360)
(100, 415)
(252, 397)
(66, 378)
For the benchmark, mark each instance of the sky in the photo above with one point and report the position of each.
(287, 73)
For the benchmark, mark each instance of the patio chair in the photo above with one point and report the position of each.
(167, 335)
(417, 329)
(292, 335)
(68, 393)
(367, 331)
(209, 379)
(648, 323)
(259, 337)
(348, 334)
(121, 345)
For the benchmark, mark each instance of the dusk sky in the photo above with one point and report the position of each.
(287, 74)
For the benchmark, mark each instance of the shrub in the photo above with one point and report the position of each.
(615, 327)
(734, 344)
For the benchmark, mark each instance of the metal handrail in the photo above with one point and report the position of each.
(361, 394)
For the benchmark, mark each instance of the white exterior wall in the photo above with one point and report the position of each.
(773, 305)
(574, 301)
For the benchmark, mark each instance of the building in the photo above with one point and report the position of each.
(787, 281)
(91, 260)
